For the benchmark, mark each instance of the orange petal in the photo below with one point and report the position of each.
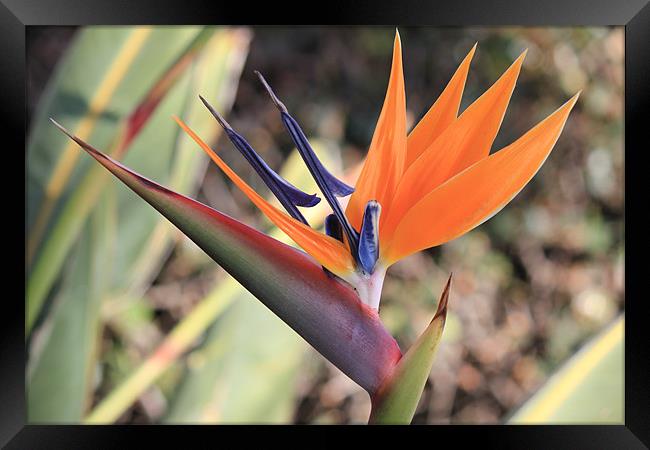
(327, 251)
(464, 142)
(443, 112)
(476, 194)
(385, 162)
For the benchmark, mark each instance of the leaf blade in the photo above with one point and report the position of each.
(82, 199)
(568, 396)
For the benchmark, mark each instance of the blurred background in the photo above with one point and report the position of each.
(129, 322)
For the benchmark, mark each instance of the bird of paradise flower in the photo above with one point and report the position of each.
(415, 191)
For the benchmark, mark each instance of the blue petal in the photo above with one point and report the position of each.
(321, 179)
(267, 174)
(328, 184)
(288, 195)
(336, 186)
(369, 237)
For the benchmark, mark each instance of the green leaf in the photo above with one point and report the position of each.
(144, 237)
(62, 198)
(103, 76)
(114, 247)
(132, 246)
(60, 380)
(396, 400)
(181, 338)
(587, 389)
(236, 377)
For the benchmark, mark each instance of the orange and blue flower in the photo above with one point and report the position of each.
(415, 190)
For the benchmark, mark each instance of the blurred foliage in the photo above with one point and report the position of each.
(531, 285)
(569, 396)
(114, 254)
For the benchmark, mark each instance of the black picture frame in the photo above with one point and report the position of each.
(634, 15)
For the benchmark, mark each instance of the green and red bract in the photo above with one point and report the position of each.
(323, 310)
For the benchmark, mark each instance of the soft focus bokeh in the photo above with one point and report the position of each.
(531, 285)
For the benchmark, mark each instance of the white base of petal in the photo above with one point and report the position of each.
(369, 286)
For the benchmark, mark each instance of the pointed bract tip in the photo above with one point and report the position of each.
(274, 97)
(444, 299)
(62, 128)
(470, 54)
(225, 125)
(396, 69)
(87, 147)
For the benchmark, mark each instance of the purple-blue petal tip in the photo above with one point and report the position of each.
(336, 186)
(288, 195)
(328, 183)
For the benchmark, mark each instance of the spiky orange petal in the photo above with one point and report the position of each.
(476, 194)
(464, 142)
(327, 251)
(441, 114)
(385, 162)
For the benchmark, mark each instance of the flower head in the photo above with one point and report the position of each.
(416, 190)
